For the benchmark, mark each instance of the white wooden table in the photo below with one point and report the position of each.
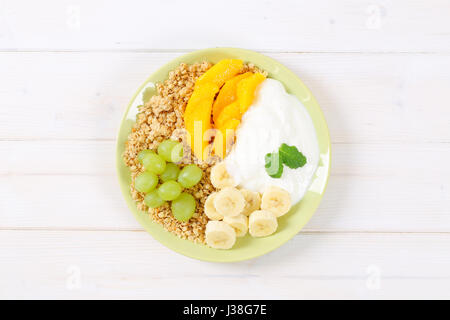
(379, 69)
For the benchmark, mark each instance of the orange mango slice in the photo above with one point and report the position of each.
(245, 90)
(227, 94)
(233, 100)
(222, 71)
(197, 116)
(232, 111)
(224, 140)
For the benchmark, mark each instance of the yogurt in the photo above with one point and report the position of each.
(275, 117)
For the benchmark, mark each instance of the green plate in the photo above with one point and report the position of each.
(291, 223)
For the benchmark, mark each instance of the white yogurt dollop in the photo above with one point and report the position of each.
(275, 117)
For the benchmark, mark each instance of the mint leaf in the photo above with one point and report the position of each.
(287, 155)
(290, 156)
(273, 165)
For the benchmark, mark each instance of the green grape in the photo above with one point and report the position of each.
(141, 155)
(169, 190)
(165, 149)
(154, 163)
(171, 172)
(183, 207)
(177, 153)
(146, 182)
(153, 200)
(190, 176)
(171, 150)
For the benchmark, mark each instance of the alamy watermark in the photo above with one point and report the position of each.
(373, 281)
(73, 280)
(73, 20)
(374, 16)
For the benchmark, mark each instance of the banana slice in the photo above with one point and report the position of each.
(220, 177)
(239, 223)
(252, 201)
(210, 210)
(262, 223)
(276, 200)
(220, 235)
(229, 202)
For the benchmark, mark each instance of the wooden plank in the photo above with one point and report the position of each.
(50, 264)
(288, 25)
(66, 201)
(96, 157)
(58, 157)
(373, 187)
(83, 95)
(351, 203)
(365, 98)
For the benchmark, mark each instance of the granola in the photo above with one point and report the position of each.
(159, 119)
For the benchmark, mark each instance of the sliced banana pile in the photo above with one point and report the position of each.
(234, 211)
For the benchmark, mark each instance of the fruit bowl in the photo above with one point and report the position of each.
(291, 223)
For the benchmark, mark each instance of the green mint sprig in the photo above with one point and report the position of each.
(291, 157)
(287, 155)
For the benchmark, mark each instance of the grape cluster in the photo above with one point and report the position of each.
(161, 167)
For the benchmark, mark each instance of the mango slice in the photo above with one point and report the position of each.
(232, 111)
(197, 116)
(224, 140)
(227, 94)
(246, 90)
(233, 100)
(222, 71)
